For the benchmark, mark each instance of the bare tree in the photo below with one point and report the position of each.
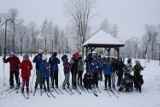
(134, 42)
(14, 15)
(105, 26)
(21, 31)
(34, 32)
(150, 33)
(80, 11)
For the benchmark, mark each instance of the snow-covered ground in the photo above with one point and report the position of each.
(150, 96)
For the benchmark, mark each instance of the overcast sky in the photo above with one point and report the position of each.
(129, 15)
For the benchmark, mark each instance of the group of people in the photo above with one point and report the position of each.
(47, 70)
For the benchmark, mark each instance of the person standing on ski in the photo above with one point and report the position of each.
(74, 64)
(53, 62)
(66, 70)
(94, 70)
(26, 67)
(44, 69)
(128, 67)
(100, 77)
(14, 68)
(114, 71)
(80, 69)
(107, 69)
(38, 59)
(120, 72)
(138, 78)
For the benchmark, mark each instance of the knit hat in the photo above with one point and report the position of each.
(40, 51)
(63, 57)
(76, 54)
(11, 53)
(54, 53)
(44, 57)
(26, 56)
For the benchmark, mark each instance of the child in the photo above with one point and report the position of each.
(138, 78)
(66, 65)
(80, 70)
(26, 67)
(107, 68)
(44, 68)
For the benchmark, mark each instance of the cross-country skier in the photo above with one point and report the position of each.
(44, 69)
(26, 67)
(54, 61)
(14, 68)
(66, 69)
(138, 78)
(38, 59)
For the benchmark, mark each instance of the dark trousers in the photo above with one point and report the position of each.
(16, 74)
(74, 75)
(54, 78)
(107, 80)
(95, 78)
(38, 79)
(80, 73)
(119, 80)
(44, 83)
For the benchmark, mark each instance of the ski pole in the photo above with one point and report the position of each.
(32, 79)
(4, 74)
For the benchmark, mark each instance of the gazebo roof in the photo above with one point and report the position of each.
(103, 39)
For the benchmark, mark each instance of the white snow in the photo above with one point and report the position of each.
(103, 38)
(148, 98)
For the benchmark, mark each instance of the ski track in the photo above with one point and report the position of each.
(148, 98)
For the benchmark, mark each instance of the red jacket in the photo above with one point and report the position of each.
(14, 63)
(26, 67)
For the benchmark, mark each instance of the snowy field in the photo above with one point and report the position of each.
(150, 96)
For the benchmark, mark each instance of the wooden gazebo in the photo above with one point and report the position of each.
(102, 40)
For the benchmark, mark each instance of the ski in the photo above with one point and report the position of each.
(81, 87)
(24, 95)
(98, 90)
(70, 90)
(59, 90)
(34, 92)
(27, 97)
(67, 91)
(107, 92)
(52, 95)
(114, 93)
(77, 91)
(88, 91)
(47, 94)
(56, 91)
(94, 93)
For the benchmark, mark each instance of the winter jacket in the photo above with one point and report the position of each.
(26, 67)
(44, 69)
(80, 65)
(128, 68)
(38, 59)
(54, 61)
(114, 66)
(94, 66)
(74, 64)
(137, 69)
(14, 63)
(66, 66)
(121, 69)
(107, 68)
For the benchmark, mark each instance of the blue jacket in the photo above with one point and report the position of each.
(54, 61)
(43, 68)
(107, 68)
(38, 59)
(95, 66)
